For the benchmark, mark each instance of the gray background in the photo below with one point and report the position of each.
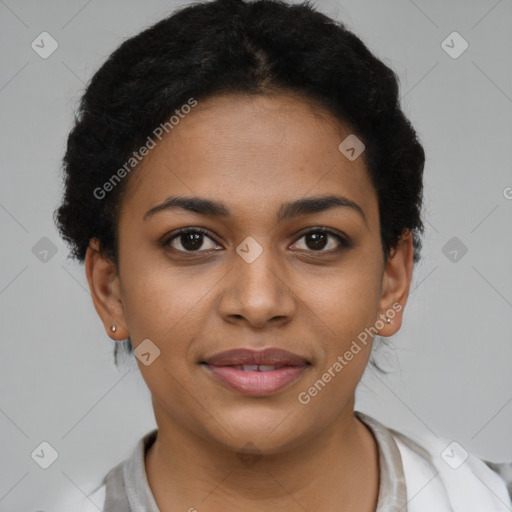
(452, 359)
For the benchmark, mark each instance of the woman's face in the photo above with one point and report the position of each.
(255, 279)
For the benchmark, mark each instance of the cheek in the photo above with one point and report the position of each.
(163, 306)
(349, 306)
(157, 300)
(349, 298)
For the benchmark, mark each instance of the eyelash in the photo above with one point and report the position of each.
(345, 243)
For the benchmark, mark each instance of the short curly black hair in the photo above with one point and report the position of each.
(232, 46)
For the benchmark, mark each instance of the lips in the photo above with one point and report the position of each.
(256, 373)
(269, 357)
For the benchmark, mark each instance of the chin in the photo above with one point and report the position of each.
(263, 429)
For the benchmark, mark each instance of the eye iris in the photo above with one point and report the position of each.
(318, 240)
(195, 239)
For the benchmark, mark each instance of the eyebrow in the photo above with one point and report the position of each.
(305, 206)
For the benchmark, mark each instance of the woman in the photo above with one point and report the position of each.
(246, 195)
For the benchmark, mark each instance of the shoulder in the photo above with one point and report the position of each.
(439, 469)
(126, 478)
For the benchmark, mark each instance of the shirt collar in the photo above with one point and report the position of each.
(392, 489)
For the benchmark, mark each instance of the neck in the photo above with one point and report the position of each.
(336, 470)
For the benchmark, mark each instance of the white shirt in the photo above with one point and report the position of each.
(427, 475)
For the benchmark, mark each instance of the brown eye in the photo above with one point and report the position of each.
(319, 239)
(190, 240)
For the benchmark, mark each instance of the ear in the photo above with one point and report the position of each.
(105, 289)
(396, 282)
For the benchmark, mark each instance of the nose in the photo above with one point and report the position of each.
(258, 293)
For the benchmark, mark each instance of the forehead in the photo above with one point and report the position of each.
(252, 150)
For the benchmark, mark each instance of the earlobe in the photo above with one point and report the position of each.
(103, 280)
(396, 284)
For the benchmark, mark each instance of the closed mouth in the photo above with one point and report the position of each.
(256, 373)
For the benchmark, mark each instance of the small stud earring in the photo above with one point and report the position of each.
(113, 328)
(388, 320)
